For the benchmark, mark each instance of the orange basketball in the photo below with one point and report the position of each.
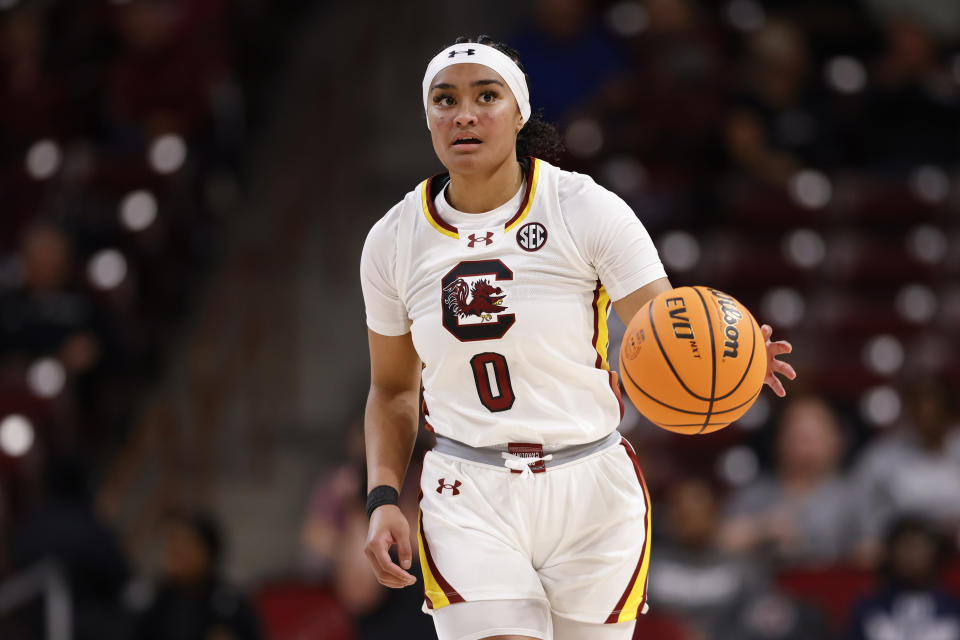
(693, 360)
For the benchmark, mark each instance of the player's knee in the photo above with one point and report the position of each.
(567, 629)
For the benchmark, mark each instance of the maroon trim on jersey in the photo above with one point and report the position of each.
(526, 192)
(423, 402)
(432, 208)
(615, 385)
(596, 324)
(614, 617)
(448, 591)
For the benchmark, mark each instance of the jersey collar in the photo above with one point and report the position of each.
(432, 186)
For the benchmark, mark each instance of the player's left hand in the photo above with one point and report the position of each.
(775, 366)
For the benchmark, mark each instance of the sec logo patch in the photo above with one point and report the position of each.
(532, 236)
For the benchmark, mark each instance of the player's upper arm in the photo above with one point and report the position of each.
(386, 312)
(394, 363)
(609, 236)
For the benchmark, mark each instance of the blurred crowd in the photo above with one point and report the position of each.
(122, 126)
(802, 156)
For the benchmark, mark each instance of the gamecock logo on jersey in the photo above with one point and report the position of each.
(473, 303)
(485, 299)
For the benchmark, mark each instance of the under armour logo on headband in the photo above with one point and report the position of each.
(469, 52)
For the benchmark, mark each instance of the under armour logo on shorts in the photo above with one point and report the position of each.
(469, 52)
(455, 487)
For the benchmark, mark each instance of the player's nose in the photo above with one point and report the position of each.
(466, 118)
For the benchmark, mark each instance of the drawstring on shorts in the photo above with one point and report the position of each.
(523, 463)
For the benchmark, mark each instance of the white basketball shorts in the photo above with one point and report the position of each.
(573, 534)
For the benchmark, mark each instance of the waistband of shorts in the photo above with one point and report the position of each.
(494, 455)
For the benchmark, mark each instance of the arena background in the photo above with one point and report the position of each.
(185, 186)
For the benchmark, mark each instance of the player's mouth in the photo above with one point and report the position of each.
(468, 142)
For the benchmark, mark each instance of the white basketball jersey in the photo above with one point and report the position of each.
(509, 319)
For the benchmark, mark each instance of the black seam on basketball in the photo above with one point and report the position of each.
(663, 352)
(713, 359)
(753, 351)
(627, 376)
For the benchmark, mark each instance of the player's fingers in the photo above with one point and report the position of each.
(375, 564)
(384, 569)
(404, 552)
(774, 383)
(780, 347)
(785, 369)
(767, 331)
(393, 583)
(390, 568)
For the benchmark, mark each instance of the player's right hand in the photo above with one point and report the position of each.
(389, 527)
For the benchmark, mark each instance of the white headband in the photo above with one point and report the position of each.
(469, 52)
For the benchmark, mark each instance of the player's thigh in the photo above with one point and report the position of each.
(567, 629)
(471, 542)
(595, 570)
(486, 619)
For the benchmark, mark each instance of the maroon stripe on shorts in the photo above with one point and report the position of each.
(614, 616)
(448, 591)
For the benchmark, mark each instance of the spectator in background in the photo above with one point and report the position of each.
(678, 56)
(914, 470)
(570, 59)
(147, 92)
(773, 129)
(910, 605)
(913, 101)
(689, 575)
(65, 529)
(32, 100)
(333, 503)
(803, 514)
(43, 317)
(724, 596)
(193, 601)
(941, 17)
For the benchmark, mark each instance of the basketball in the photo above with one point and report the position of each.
(693, 360)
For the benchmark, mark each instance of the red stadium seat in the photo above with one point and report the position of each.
(835, 590)
(662, 627)
(952, 578)
(296, 610)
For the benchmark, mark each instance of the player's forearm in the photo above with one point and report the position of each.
(390, 429)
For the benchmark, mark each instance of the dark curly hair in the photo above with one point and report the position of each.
(537, 138)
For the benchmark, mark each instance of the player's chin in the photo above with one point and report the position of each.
(468, 161)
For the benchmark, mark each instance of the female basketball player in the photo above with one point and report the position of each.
(490, 286)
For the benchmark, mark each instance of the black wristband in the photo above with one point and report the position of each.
(381, 495)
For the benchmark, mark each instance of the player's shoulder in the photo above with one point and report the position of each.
(389, 224)
(579, 192)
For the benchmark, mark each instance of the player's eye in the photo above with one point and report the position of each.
(488, 96)
(443, 99)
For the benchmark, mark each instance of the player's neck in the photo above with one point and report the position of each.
(481, 192)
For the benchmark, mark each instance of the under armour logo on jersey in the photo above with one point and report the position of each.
(488, 239)
(469, 52)
(455, 487)
(532, 236)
